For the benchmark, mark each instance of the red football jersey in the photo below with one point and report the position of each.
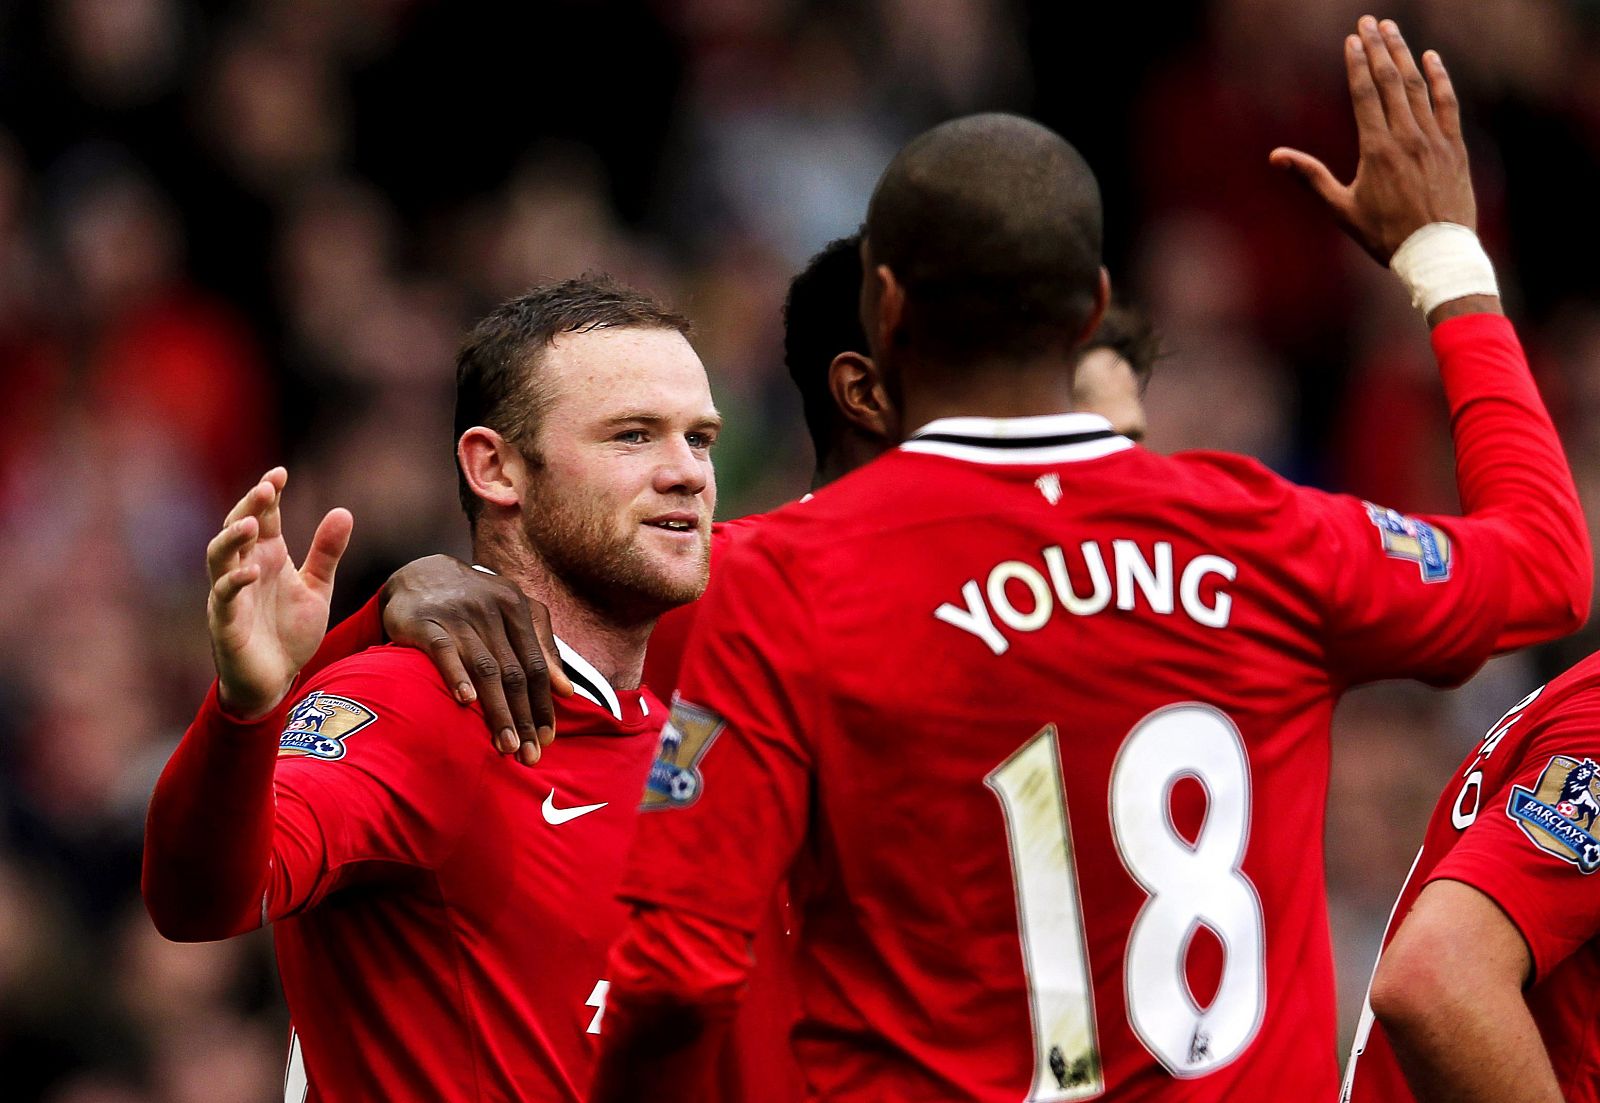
(1046, 717)
(442, 913)
(670, 637)
(1517, 822)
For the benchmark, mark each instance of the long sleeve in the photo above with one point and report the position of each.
(209, 832)
(1514, 478)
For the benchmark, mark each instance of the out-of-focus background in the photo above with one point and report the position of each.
(234, 234)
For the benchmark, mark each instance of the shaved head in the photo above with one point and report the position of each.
(991, 223)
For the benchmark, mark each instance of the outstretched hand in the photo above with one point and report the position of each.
(1413, 166)
(490, 642)
(265, 615)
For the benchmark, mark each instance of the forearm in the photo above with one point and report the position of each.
(209, 832)
(1471, 1045)
(676, 981)
(1514, 477)
(351, 636)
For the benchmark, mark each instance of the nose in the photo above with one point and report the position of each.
(682, 470)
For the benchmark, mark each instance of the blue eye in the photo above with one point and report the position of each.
(632, 436)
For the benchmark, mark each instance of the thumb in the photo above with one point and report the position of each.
(1313, 174)
(327, 545)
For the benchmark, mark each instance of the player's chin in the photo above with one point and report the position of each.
(678, 579)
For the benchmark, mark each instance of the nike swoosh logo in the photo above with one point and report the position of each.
(554, 815)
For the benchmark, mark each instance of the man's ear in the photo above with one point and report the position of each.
(891, 300)
(1102, 302)
(494, 468)
(859, 394)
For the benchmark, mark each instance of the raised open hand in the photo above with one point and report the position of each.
(1413, 166)
(266, 617)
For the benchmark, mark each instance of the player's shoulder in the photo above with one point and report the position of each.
(393, 696)
(403, 672)
(1226, 472)
(1571, 698)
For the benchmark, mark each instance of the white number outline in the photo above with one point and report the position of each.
(1230, 952)
(1016, 782)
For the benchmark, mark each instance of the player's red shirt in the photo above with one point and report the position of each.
(1035, 705)
(441, 914)
(670, 637)
(1518, 822)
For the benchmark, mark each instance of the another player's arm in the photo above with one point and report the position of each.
(699, 876)
(490, 643)
(1516, 485)
(1449, 992)
(208, 836)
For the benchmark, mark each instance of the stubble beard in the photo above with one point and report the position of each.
(608, 570)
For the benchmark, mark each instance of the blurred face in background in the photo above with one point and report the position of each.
(620, 490)
(1105, 384)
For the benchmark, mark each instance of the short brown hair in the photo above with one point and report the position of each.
(497, 370)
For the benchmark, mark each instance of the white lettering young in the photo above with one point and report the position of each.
(1212, 616)
(1133, 569)
(1137, 573)
(974, 618)
(1000, 602)
(1099, 597)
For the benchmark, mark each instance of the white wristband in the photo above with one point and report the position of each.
(1443, 261)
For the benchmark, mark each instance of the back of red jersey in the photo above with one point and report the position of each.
(1517, 822)
(1049, 715)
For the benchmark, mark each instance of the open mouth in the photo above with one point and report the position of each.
(673, 525)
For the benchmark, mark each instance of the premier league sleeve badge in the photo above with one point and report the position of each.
(1558, 813)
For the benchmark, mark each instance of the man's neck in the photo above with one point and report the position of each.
(1020, 390)
(614, 647)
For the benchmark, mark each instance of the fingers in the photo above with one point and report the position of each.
(1315, 176)
(501, 688)
(535, 663)
(1386, 75)
(271, 513)
(1446, 108)
(560, 684)
(1416, 88)
(1363, 93)
(225, 548)
(328, 544)
(231, 584)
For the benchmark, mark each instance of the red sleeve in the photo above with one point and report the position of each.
(209, 830)
(675, 982)
(730, 791)
(1433, 597)
(1514, 478)
(351, 636)
(1534, 853)
(250, 823)
(731, 785)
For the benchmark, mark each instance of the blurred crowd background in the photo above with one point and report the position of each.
(237, 234)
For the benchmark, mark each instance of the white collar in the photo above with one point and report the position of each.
(587, 681)
(1043, 438)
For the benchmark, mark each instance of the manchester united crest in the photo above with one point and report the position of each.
(1558, 813)
(675, 779)
(319, 725)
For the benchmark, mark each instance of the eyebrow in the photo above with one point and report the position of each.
(712, 421)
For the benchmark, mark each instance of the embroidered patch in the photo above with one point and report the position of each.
(1566, 796)
(1408, 538)
(674, 780)
(320, 724)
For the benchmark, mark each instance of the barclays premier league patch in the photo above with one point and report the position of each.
(1558, 813)
(320, 724)
(1408, 538)
(674, 780)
